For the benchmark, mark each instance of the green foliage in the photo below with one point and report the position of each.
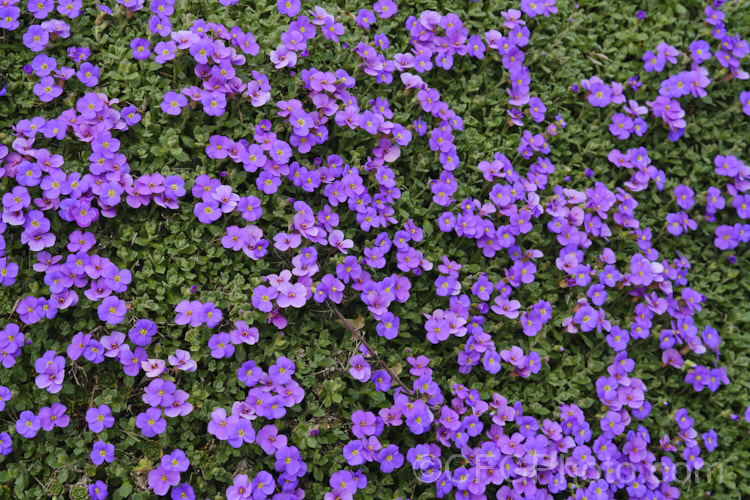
(169, 251)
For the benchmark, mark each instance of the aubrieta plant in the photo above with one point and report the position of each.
(370, 250)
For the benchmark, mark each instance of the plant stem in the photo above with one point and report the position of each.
(371, 350)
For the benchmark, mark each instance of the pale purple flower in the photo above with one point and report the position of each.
(181, 361)
(153, 367)
(283, 57)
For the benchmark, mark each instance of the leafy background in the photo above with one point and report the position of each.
(168, 251)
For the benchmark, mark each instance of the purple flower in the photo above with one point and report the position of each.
(244, 334)
(161, 479)
(353, 453)
(622, 126)
(385, 8)
(600, 95)
(213, 103)
(360, 368)
(165, 51)
(98, 490)
(382, 380)
(27, 310)
(537, 109)
(653, 62)
(291, 295)
(365, 18)
(270, 440)
(700, 51)
(388, 326)
(745, 102)
(151, 422)
(36, 37)
(272, 408)
(741, 203)
(207, 211)
(188, 312)
(263, 297)
(363, 423)
(43, 65)
(684, 197)
(221, 345)
(693, 458)
(140, 48)
(51, 370)
(283, 57)
(17, 199)
(70, 8)
(262, 486)
(153, 367)
(142, 332)
(159, 393)
(181, 361)
(202, 50)
(179, 406)
(173, 103)
(211, 314)
(289, 462)
(240, 489)
(726, 237)
(28, 424)
(6, 443)
(332, 30)
(710, 440)
(390, 459)
(88, 74)
(183, 492)
(8, 272)
(102, 452)
(99, 418)
(112, 310)
(281, 372)
(177, 461)
(249, 373)
(9, 21)
(288, 7)
(40, 8)
(5, 395)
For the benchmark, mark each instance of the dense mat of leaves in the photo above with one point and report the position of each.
(378, 250)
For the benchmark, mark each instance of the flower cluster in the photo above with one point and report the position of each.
(346, 240)
(167, 474)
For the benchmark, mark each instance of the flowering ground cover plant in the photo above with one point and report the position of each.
(374, 250)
